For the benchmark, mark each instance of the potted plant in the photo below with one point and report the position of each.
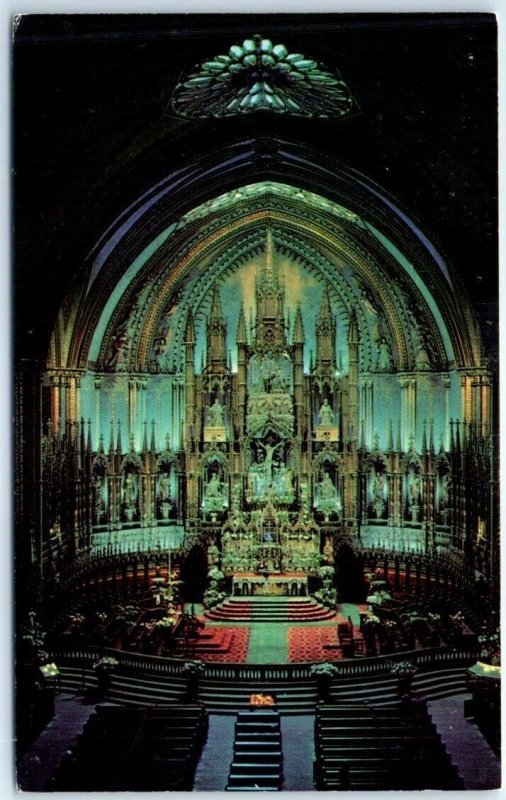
(193, 670)
(323, 673)
(103, 668)
(404, 671)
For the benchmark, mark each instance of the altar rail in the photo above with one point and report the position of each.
(426, 660)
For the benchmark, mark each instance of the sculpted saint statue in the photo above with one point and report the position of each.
(414, 489)
(445, 490)
(384, 356)
(214, 487)
(164, 487)
(215, 415)
(98, 497)
(118, 350)
(422, 360)
(326, 415)
(326, 489)
(129, 489)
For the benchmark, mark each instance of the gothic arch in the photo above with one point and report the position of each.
(105, 274)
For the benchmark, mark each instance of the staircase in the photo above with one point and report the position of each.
(295, 695)
(270, 609)
(258, 758)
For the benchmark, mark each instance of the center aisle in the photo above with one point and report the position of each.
(268, 643)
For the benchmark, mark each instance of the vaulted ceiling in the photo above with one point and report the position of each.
(94, 132)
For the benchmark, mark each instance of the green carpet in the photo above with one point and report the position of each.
(268, 643)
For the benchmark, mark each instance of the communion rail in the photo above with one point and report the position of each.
(134, 663)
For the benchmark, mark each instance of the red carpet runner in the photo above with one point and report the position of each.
(222, 645)
(315, 643)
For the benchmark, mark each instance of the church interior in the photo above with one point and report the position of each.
(255, 402)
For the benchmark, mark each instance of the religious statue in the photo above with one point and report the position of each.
(327, 490)
(422, 361)
(327, 499)
(326, 415)
(372, 312)
(214, 495)
(257, 481)
(414, 495)
(119, 348)
(444, 491)
(160, 353)
(279, 382)
(378, 486)
(129, 489)
(164, 488)
(385, 362)
(129, 495)
(269, 454)
(214, 487)
(215, 415)
(98, 497)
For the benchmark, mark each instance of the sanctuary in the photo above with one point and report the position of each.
(255, 406)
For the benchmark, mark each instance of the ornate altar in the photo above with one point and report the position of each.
(286, 584)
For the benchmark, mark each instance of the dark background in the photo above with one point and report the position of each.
(92, 130)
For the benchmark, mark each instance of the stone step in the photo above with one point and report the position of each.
(292, 696)
(255, 767)
(257, 609)
(248, 752)
(254, 781)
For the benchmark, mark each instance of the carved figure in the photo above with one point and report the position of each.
(414, 489)
(373, 313)
(385, 362)
(422, 360)
(327, 490)
(214, 488)
(215, 415)
(118, 350)
(279, 383)
(378, 487)
(325, 415)
(269, 453)
(129, 489)
(98, 498)
(444, 491)
(164, 487)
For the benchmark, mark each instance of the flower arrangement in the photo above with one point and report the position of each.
(326, 572)
(495, 659)
(212, 597)
(106, 663)
(76, 620)
(435, 618)
(326, 596)
(101, 617)
(372, 621)
(194, 668)
(404, 669)
(325, 670)
(490, 648)
(261, 700)
(166, 623)
(215, 574)
(127, 614)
